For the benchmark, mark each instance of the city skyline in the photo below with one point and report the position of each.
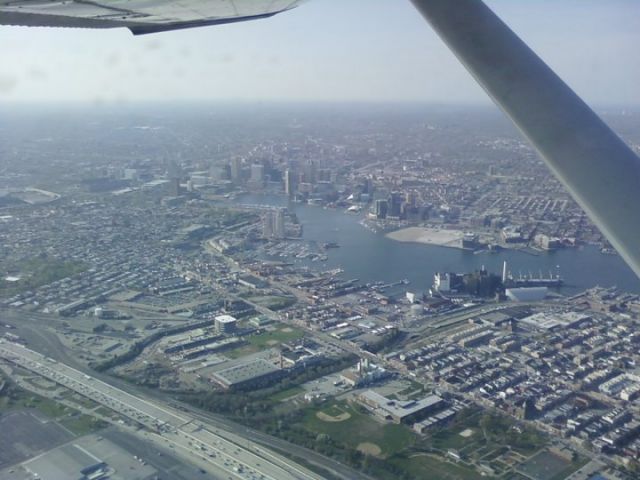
(350, 291)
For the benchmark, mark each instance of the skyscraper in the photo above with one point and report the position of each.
(236, 169)
(257, 174)
(289, 185)
(267, 225)
(395, 204)
(411, 198)
(382, 206)
(273, 224)
(278, 227)
(174, 187)
(309, 170)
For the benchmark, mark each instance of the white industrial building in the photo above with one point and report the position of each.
(442, 282)
(225, 323)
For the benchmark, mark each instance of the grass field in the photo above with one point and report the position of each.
(284, 394)
(448, 439)
(82, 424)
(424, 467)
(83, 401)
(265, 340)
(14, 398)
(359, 428)
(490, 433)
(280, 335)
(50, 408)
(42, 384)
(105, 412)
(334, 410)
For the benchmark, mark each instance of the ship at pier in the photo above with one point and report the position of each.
(551, 280)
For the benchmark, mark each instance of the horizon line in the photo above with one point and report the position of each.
(100, 103)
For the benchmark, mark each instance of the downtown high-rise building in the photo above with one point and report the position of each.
(273, 226)
(289, 182)
(396, 199)
(257, 173)
(278, 226)
(236, 169)
(382, 207)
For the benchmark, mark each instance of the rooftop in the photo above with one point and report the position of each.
(245, 372)
(549, 320)
(225, 319)
(400, 408)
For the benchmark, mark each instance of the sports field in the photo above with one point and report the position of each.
(344, 423)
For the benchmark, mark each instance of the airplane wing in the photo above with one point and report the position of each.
(599, 170)
(139, 16)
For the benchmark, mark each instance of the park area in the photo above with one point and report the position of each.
(273, 337)
(32, 273)
(491, 443)
(496, 442)
(346, 423)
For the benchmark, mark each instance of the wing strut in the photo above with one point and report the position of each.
(600, 171)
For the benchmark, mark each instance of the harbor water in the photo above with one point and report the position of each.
(371, 257)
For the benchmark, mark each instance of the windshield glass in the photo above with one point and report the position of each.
(305, 243)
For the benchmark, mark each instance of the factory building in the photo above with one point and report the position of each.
(364, 373)
(442, 282)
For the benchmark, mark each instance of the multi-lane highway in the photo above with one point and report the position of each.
(43, 340)
(240, 460)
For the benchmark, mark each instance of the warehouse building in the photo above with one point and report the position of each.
(255, 373)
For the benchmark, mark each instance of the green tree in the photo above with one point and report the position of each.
(485, 424)
(102, 327)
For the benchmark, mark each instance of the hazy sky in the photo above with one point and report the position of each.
(325, 50)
